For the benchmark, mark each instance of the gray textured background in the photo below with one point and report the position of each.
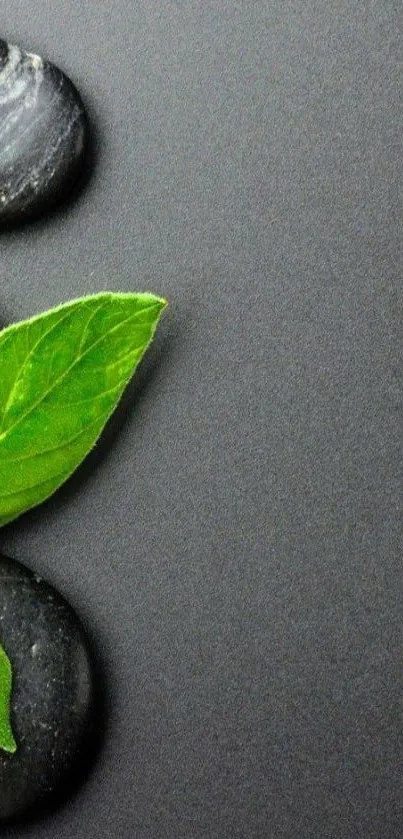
(235, 548)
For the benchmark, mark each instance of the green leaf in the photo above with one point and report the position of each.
(62, 374)
(7, 742)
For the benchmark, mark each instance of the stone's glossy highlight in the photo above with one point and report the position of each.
(52, 701)
(43, 134)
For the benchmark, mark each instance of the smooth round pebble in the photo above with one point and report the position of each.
(53, 691)
(43, 134)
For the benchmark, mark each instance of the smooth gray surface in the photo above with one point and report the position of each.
(236, 551)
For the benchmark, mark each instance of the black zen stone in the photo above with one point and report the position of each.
(52, 699)
(43, 134)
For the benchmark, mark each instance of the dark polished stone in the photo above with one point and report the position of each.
(53, 693)
(43, 134)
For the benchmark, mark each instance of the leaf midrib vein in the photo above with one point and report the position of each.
(67, 371)
(72, 439)
(24, 364)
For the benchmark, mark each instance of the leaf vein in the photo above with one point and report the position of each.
(85, 330)
(57, 448)
(23, 366)
(33, 486)
(67, 371)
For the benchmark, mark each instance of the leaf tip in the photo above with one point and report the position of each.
(9, 746)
